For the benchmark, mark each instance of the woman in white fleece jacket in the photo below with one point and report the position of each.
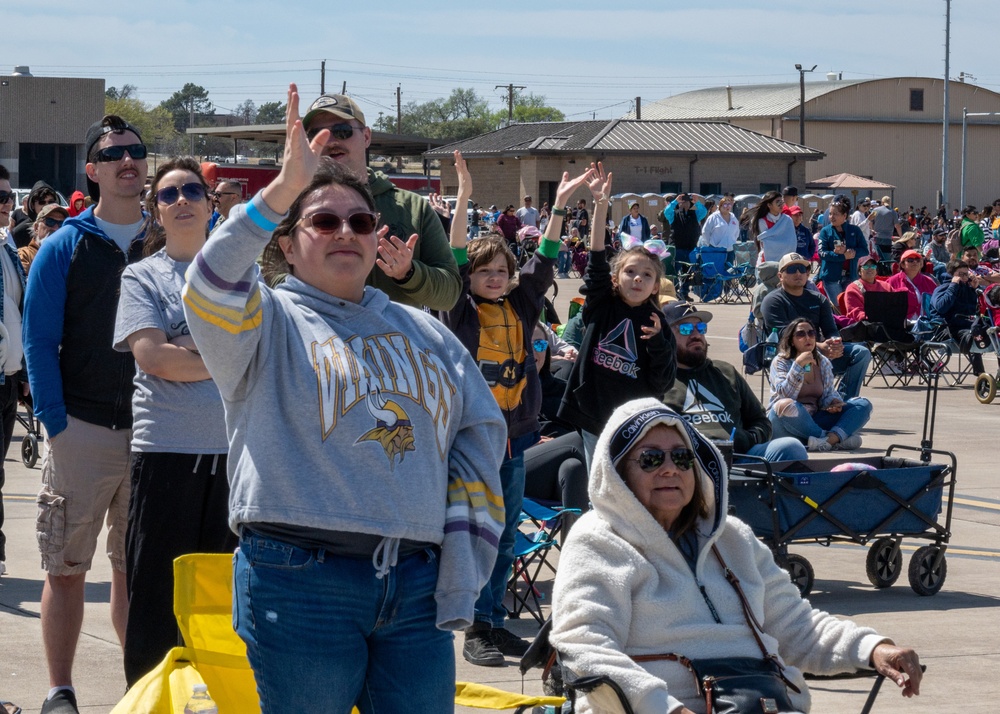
(637, 577)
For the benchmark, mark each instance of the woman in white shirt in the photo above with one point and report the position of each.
(722, 228)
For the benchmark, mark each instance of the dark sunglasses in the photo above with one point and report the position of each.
(52, 222)
(361, 223)
(652, 459)
(540, 345)
(805, 333)
(6, 196)
(688, 328)
(796, 268)
(337, 131)
(193, 191)
(116, 153)
(913, 260)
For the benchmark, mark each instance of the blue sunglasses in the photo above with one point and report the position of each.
(688, 328)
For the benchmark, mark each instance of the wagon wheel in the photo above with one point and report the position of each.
(801, 572)
(29, 450)
(986, 388)
(884, 563)
(925, 579)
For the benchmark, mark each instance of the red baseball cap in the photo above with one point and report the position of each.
(910, 254)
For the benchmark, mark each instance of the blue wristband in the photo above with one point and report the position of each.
(254, 214)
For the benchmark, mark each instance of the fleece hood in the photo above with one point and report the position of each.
(617, 505)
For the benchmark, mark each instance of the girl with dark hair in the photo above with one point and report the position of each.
(771, 229)
(805, 402)
(349, 576)
(180, 495)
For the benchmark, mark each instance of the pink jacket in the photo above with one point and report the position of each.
(923, 283)
(854, 299)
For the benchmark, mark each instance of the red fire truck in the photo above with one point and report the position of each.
(254, 177)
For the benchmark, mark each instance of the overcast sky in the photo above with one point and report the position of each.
(586, 59)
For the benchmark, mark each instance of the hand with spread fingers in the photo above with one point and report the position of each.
(301, 158)
(395, 255)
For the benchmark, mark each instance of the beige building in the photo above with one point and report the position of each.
(889, 130)
(43, 124)
(647, 157)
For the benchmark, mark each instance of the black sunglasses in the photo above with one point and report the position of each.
(116, 153)
(337, 131)
(168, 196)
(796, 268)
(52, 222)
(805, 333)
(361, 223)
(652, 459)
(6, 196)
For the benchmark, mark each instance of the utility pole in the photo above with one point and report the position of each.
(343, 87)
(322, 77)
(947, 81)
(510, 100)
(399, 121)
(638, 108)
(191, 121)
(802, 101)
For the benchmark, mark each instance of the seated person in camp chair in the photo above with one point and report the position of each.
(957, 303)
(635, 578)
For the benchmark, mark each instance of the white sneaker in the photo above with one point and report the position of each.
(850, 443)
(818, 443)
(3, 568)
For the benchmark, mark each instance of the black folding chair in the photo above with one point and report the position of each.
(894, 351)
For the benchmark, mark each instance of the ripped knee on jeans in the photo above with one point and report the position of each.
(786, 408)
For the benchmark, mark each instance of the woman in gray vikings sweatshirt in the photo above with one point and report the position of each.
(364, 450)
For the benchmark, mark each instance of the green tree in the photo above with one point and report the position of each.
(154, 123)
(271, 113)
(532, 108)
(190, 99)
(247, 112)
(127, 91)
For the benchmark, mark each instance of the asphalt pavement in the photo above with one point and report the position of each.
(956, 631)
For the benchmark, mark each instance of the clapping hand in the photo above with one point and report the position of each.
(653, 330)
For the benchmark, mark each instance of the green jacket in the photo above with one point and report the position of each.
(972, 234)
(435, 283)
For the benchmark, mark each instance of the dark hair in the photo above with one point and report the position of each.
(485, 250)
(4, 173)
(786, 346)
(329, 173)
(969, 209)
(155, 237)
(761, 210)
(117, 125)
(954, 265)
(841, 208)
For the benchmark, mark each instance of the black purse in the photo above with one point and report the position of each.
(738, 685)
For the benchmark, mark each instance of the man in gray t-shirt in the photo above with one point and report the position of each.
(886, 226)
(528, 214)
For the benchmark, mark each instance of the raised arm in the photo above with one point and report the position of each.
(567, 187)
(459, 222)
(599, 184)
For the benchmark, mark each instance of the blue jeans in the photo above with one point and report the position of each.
(853, 364)
(489, 605)
(564, 262)
(800, 424)
(833, 288)
(784, 448)
(324, 634)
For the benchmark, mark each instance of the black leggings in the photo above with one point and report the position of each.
(556, 471)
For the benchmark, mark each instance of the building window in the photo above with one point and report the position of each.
(670, 187)
(765, 187)
(708, 189)
(916, 100)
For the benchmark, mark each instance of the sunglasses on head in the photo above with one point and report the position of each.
(361, 223)
(540, 345)
(688, 328)
(6, 196)
(796, 268)
(652, 459)
(116, 153)
(168, 195)
(805, 333)
(52, 222)
(340, 132)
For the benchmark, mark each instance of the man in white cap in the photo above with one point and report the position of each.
(415, 266)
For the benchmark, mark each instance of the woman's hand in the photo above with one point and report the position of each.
(850, 253)
(300, 160)
(834, 407)
(464, 180)
(901, 665)
(653, 330)
(839, 248)
(395, 256)
(805, 358)
(439, 205)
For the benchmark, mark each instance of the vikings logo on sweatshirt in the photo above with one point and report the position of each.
(393, 428)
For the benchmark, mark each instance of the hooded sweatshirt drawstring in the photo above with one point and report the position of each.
(384, 557)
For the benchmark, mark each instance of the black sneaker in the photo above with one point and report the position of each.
(64, 702)
(480, 650)
(508, 643)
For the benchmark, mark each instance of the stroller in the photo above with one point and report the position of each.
(31, 440)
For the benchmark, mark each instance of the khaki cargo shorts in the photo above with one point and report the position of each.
(85, 480)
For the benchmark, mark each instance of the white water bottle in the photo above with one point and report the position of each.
(200, 702)
(771, 346)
